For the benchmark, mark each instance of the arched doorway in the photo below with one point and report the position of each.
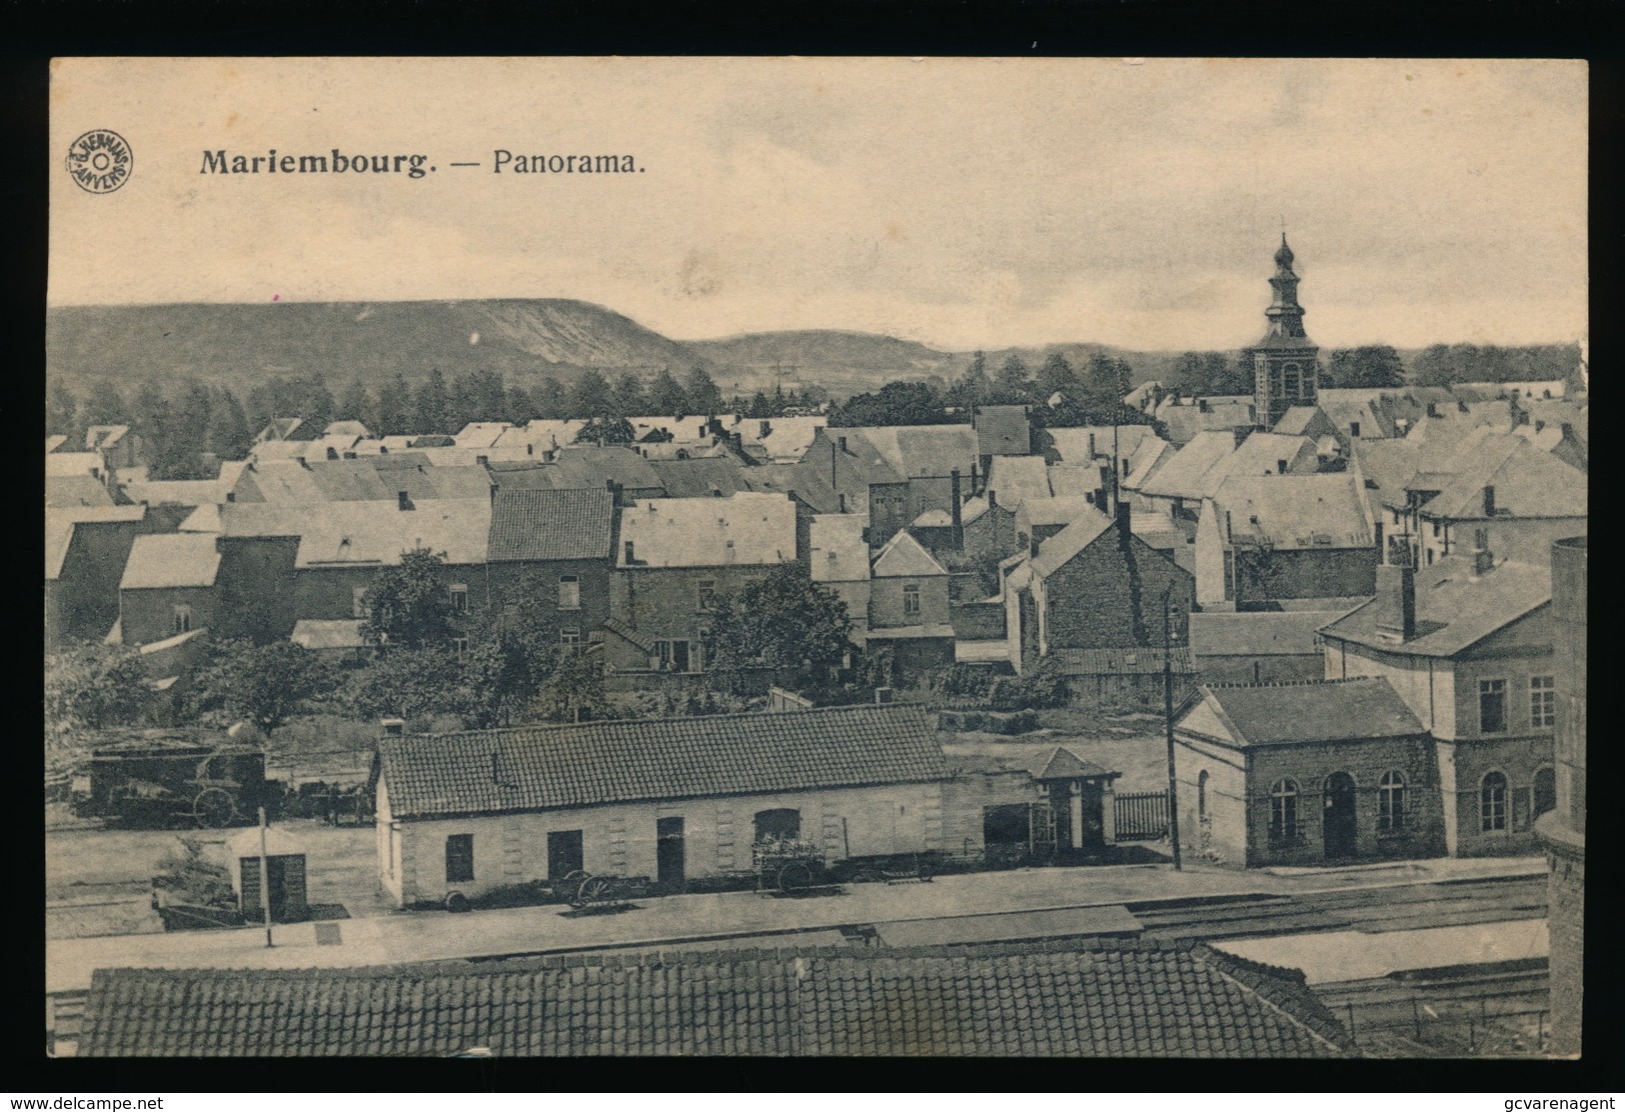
(1338, 823)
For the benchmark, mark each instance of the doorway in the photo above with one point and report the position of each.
(1338, 825)
(669, 852)
(563, 854)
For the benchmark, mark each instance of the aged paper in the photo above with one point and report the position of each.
(270, 276)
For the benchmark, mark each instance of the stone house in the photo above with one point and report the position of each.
(1306, 773)
(1468, 644)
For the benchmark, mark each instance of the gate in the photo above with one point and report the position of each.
(1142, 816)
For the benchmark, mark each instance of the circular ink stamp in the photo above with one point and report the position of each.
(100, 161)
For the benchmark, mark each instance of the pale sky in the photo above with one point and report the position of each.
(964, 203)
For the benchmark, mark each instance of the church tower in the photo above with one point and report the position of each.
(1285, 371)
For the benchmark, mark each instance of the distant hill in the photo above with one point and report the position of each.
(237, 345)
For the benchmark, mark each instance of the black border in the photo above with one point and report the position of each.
(39, 29)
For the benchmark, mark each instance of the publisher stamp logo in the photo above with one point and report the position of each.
(100, 161)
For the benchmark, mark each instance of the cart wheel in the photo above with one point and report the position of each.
(456, 901)
(214, 807)
(797, 876)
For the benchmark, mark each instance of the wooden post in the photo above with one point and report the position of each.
(265, 879)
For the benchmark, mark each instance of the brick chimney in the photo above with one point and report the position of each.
(1396, 602)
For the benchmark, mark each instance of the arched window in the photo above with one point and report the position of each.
(1284, 811)
(1492, 802)
(1391, 803)
(1545, 790)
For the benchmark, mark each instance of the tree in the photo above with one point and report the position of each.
(627, 397)
(575, 690)
(407, 605)
(261, 684)
(90, 687)
(430, 406)
(704, 399)
(61, 411)
(667, 396)
(783, 621)
(1375, 366)
(229, 434)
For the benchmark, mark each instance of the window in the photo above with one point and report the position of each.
(1545, 790)
(1284, 811)
(911, 600)
(459, 858)
(459, 598)
(459, 645)
(358, 601)
(707, 593)
(1391, 803)
(570, 636)
(1542, 701)
(183, 619)
(1492, 803)
(569, 592)
(1492, 706)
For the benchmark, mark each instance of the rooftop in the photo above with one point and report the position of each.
(1107, 998)
(540, 767)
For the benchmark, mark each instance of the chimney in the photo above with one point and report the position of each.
(402, 500)
(391, 727)
(956, 512)
(629, 559)
(1396, 602)
(1489, 501)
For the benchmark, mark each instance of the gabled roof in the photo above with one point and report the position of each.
(542, 767)
(1055, 511)
(551, 525)
(1306, 713)
(1014, 479)
(1528, 482)
(1454, 610)
(1295, 511)
(1002, 430)
(904, 556)
(171, 560)
(1268, 633)
(702, 478)
(838, 552)
(76, 490)
(60, 522)
(368, 533)
(741, 529)
(1105, 998)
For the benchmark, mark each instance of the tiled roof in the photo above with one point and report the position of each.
(1101, 998)
(1138, 661)
(1002, 430)
(1454, 609)
(904, 556)
(755, 529)
(171, 560)
(1326, 710)
(1295, 511)
(1273, 633)
(551, 525)
(539, 767)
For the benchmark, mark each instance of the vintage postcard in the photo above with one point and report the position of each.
(816, 556)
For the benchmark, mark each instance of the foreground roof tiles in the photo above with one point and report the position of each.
(1110, 998)
(538, 767)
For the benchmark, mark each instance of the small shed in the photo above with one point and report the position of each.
(285, 872)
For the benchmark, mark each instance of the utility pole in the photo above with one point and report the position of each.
(265, 879)
(1168, 720)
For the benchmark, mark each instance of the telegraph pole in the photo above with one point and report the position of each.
(1168, 720)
